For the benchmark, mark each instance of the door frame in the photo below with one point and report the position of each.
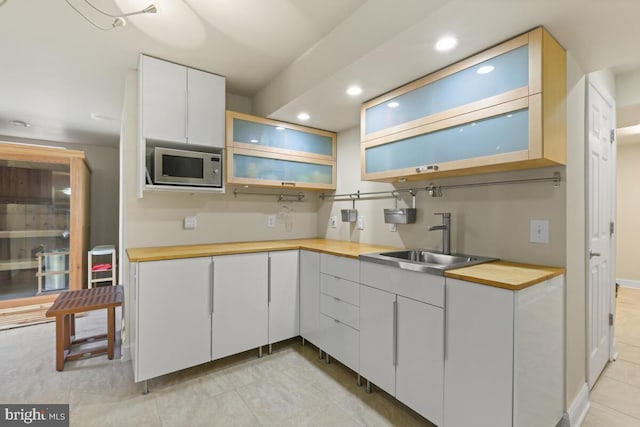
(612, 241)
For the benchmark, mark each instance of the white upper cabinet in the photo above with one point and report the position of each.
(180, 104)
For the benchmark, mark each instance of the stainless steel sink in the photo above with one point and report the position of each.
(425, 261)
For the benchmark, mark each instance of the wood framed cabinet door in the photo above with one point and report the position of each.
(173, 316)
(240, 303)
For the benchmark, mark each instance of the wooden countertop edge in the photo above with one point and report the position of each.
(551, 272)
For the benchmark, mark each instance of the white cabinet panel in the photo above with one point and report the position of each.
(340, 341)
(310, 296)
(420, 360)
(377, 337)
(240, 307)
(283, 296)
(342, 289)
(173, 316)
(163, 91)
(478, 387)
(339, 310)
(338, 266)
(205, 108)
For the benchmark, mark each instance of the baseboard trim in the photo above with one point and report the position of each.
(628, 283)
(578, 409)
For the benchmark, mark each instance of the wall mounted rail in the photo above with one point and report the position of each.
(282, 197)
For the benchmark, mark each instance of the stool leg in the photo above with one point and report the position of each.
(60, 343)
(66, 332)
(111, 335)
(72, 325)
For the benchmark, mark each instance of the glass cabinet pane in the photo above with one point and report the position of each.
(34, 228)
(261, 168)
(489, 78)
(467, 141)
(280, 137)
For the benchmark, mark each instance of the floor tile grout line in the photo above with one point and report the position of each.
(616, 410)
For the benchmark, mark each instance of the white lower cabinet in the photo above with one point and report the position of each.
(172, 301)
(284, 312)
(240, 303)
(504, 355)
(402, 336)
(309, 275)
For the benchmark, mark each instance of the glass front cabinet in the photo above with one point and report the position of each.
(266, 152)
(502, 109)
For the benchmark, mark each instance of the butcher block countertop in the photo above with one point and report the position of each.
(501, 274)
(504, 274)
(333, 247)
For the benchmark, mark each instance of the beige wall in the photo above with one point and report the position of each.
(628, 208)
(103, 162)
(491, 220)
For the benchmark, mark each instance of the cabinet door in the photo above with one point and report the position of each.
(163, 100)
(284, 317)
(205, 108)
(478, 382)
(310, 296)
(240, 308)
(378, 337)
(173, 316)
(420, 361)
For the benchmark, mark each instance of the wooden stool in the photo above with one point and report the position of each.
(70, 303)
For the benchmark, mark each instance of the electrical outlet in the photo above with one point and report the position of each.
(190, 222)
(539, 231)
(393, 227)
(271, 221)
(333, 221)
(360, 222)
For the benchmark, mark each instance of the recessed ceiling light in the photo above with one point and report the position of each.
(279, 128)
(21, 124)
(485, 69)
(393, 104)
(446, 43)
(354, 90)
(304, 116)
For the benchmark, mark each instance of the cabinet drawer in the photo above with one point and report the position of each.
(342, 289)
(337, 266)
(418, 286)
(339, 310)
(341, 341)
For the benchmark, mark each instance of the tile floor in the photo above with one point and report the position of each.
(291, 387)
(615, 399)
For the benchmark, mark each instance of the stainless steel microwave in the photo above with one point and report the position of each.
(183, 167)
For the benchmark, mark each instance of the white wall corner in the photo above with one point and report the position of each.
(578, 409)
(628, 283)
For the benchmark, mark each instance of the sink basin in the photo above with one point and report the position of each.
(424, 260)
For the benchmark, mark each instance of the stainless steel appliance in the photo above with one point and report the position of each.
(170, 166)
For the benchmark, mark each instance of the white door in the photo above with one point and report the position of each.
(240, 307)
(310, 296)
(205, 108)
(600, 197)
(283, 299)
(173, 316)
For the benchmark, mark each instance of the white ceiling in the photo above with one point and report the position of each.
(286, 55)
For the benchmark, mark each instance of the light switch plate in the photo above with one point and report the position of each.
(333, 221)
(539, 230)
(190, 222)
(271, 221)
(360, 222)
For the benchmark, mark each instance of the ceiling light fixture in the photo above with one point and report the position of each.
(20, 123)
(354, 90)
(446, 43)
(485, 69)
(118, 21)
(304, 116)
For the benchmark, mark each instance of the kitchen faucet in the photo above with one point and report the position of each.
(446, 231)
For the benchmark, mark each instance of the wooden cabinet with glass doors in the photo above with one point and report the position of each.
(501, 109)
(44, 223)
(270, 153)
